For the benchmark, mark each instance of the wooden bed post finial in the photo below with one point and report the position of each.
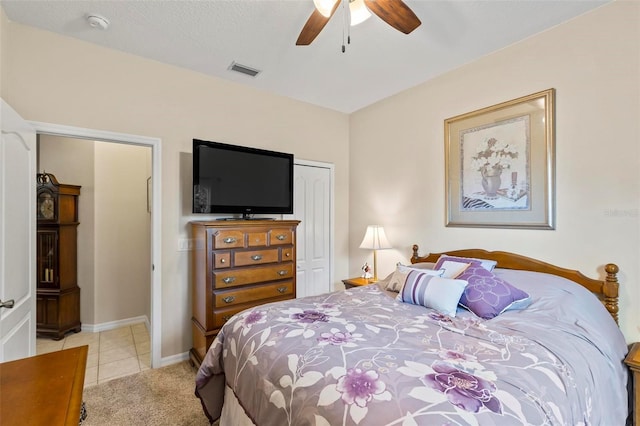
(415, 253)
(610, 289)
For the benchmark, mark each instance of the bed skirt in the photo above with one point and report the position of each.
(232, 412)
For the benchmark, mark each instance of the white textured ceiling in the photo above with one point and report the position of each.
(207, 36)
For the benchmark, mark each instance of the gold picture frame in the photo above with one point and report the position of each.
(500, 166)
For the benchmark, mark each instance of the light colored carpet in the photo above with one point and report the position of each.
(162, 396)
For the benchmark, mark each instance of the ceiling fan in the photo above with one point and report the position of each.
(393, 12)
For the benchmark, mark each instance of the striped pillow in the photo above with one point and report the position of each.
(441, 294)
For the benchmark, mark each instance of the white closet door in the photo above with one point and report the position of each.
(312, 206)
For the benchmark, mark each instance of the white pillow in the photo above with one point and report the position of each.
(441, 294)
(419, 265)
(415, 267)
(485, 263)
(399, 277)
(453, 269)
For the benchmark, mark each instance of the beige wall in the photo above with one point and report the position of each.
(123, 234)
(593, 62)
(54, 79)
(4, 42)
(114, 232)
(72, 162)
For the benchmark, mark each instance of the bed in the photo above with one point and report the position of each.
(371, 356)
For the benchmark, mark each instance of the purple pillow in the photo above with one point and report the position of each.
(487, 295)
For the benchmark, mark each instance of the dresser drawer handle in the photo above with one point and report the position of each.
(228, 280)
(288, 254)
(256, 257)
(282, 289)
(223, 260)
(229, 240)
(281, 237)
(283, 272)
(226, 318)
(228, 299)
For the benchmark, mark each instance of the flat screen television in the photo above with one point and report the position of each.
(241, 180)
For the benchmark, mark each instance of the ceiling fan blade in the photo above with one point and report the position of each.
(395, 13)
(314, 25)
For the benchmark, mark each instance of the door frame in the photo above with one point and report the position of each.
(332, 213)
(156, 209)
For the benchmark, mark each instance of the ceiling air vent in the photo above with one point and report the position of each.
(244, 69)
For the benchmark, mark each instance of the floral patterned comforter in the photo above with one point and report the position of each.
(359, 357)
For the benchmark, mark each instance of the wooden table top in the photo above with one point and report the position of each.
(44, 389)
(633, 357)
(358, 281)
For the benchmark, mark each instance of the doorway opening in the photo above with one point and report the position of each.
(154, 207)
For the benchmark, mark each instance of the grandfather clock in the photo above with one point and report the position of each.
(58, 294)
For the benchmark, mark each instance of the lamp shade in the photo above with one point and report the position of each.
(375, 238)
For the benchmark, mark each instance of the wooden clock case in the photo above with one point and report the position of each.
(58, 294)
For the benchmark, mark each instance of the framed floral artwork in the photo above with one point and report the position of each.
(500, 166)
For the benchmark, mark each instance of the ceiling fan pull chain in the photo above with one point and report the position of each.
(345, 23)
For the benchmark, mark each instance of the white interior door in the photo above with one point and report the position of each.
(17, 236)
(312, 206)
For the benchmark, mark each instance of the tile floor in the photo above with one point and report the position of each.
(112, 354)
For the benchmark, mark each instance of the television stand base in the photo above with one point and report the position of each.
(245, 218)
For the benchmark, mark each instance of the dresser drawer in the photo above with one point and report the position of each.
(281, 236)
(231, 278)
(222, 260)
(228, 239)
(222, 315)
(252, 294)
(257, 238)
(255, 257)
(287, 254)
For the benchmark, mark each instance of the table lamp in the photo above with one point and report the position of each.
(375, 239)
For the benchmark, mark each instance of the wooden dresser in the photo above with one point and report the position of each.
(44, 389)
(237, 265)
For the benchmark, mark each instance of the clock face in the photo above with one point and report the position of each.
(47, 210)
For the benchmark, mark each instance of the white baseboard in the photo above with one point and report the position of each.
(174, 359)
(105, 326)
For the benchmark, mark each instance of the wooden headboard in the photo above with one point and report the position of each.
(607, 290)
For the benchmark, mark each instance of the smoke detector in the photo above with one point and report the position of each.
(98, 22)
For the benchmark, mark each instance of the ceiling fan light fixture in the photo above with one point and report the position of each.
(357, 9)
(359, 12)
(394, 12)
(324, 6)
